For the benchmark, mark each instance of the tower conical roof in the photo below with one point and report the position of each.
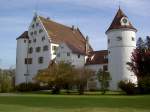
(116, 23)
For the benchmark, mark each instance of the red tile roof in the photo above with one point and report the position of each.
(116, 24)
(60, 33)
(97, 57)
(24, 35)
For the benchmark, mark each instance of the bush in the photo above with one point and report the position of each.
(26, 87)
(144, 85)
(128, 87)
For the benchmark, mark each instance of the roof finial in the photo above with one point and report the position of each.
(119, 4)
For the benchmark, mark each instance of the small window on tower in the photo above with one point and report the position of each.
(133, 39)
(40, 31)
(33, 26)
(29, 41)
(35, 32)
(37, 24)
(119, 38)
(43, 38)
(24, 41)
(30, 50)
(45, 48)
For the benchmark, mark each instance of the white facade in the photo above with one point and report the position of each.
(64, 53)
(21, 67)
(121, 44)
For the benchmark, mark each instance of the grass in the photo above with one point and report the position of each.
(74, 103)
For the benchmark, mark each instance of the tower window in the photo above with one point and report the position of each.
(58, 55)
(31, 33)
(38, 49)
(78, 55)
(40, 60)
(133, 39)
(24, 41)
(119, 38)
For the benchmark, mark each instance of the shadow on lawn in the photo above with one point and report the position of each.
(69, 102)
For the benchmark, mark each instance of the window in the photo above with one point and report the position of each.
(78, 55)
(119, 38)
(33, 26)
(40, 31)
(31, 33)
(38, 49)
(105, 68)
(133, 39)
(34, 18)
(35, 32)
(108, 41)
(28, 61)
(68, 54)
(34, 40)
(29, 41)
(30, 50)
(43, 38)
(54, 48)
(37, 24)
(45, 48)
(24, 41)
(40, 60)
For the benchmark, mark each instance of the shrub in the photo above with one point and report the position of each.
(144, 85)
(25, 87)
(128, 87)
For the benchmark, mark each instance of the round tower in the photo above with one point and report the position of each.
(121, 42)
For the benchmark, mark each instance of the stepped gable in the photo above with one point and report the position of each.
(60, 33)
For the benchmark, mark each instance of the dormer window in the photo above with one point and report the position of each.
(119, 38)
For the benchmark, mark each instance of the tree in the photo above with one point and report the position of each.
(58, 76)
(104, 78)
(5, 81)
(82, 77)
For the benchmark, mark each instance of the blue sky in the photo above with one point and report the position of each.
(93, 17)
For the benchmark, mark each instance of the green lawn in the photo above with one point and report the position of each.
(74, 103)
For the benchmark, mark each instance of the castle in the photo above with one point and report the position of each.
(47, 40)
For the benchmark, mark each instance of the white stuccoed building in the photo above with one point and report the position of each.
(121, 43)
(47, 40)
